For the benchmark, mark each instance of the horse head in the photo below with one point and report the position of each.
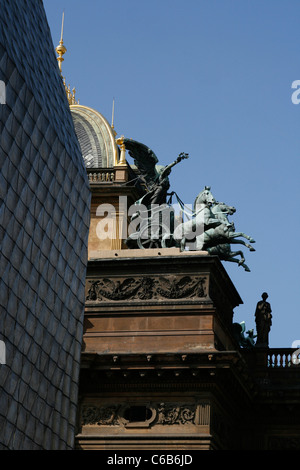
(224, 208)
(205, 197)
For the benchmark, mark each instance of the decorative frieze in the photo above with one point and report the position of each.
(147, 288)
(176, 414)
(99, 415)
(152, 414)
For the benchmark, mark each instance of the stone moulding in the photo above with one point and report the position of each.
(143, 288)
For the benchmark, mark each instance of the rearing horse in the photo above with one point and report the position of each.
(223, 248)
(202, 219)
(221, 211)
(211, 230)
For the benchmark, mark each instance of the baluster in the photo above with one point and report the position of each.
(281, 360)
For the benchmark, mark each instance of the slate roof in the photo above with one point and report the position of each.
(44, 222)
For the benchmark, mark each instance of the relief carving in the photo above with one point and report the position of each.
(166, 414)
(172, 288)
(96, 415)
(176, 414)
(147, 288)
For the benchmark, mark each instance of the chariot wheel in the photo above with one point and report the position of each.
(152, 235)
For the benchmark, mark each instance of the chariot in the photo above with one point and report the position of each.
(154, 227)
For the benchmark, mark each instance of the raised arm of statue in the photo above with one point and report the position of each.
(167, 170)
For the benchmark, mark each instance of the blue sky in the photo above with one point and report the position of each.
(211, 78)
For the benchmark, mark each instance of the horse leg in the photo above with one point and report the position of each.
(240, 262)
(182, 244)
(241, 234)
(234, 241)
(200, 241)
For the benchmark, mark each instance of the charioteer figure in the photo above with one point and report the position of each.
(158, 194)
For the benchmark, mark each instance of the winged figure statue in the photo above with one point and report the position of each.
(154, 176)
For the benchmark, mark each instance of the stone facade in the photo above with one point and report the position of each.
(161, 369)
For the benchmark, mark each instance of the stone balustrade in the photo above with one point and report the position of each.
(101, 175)
(283, 357)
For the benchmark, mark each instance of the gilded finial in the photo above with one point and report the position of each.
(113, 113)
(112, 118)
(61, 49)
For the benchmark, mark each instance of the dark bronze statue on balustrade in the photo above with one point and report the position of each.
(263, 319)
